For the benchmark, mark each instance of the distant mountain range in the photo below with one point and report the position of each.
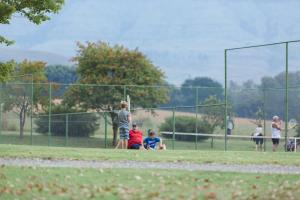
(20, 55)
(184, 38)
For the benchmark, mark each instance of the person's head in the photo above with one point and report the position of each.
(151, 134)
(275, 118)
(259, 125)
(123, 104)
(134, 126)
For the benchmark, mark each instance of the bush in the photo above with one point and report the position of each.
(80, 125)
(184, 124)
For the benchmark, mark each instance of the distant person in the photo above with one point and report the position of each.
(257, 137)
(151, 141)
(124, 118)
(276, 130)
(135, 138)
(230, 125)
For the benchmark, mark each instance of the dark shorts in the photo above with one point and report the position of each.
(135, 146)
(124, 133)
(228, 131)
(275, 140)
(258, 140)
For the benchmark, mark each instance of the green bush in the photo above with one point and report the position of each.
(79, 125)
(184, 124)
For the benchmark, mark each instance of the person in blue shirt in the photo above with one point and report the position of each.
(151, 141)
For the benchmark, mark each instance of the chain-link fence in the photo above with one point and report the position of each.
(200, 118)
(187, 118)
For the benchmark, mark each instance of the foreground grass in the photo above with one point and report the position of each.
(229, 157)
(65, 183)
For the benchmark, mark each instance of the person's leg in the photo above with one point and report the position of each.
(118, 144)
(273, 146)
(125, 144)
(163, 147)
(122, 144)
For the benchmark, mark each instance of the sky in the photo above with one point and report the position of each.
(185, 38)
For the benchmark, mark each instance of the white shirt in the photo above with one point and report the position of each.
(275, 131)
(258, 131)
(230, 125)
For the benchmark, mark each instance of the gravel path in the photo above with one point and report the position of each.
(253, 168)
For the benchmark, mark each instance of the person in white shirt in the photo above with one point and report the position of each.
(257, 137)
(276, 130)
(230, 125)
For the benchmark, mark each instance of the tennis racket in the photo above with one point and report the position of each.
(128, 102)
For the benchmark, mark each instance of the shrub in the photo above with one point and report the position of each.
(185, 124)
(80, 125)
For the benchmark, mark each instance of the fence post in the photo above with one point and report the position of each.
(105, 130)
(31, 111)
(67, 129)
(225, 98)
(1, 113)
(174, 123)
(124, 93)
(49, 114)
(286, 93)
(196, 123)
(1, 109)
(264, 116)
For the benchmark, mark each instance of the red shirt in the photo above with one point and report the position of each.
(135, 137)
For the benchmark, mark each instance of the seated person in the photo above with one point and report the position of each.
(151, 141)
(135, 138)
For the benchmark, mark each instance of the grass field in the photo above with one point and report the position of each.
(74, 183)
(67, 183)
(97, 141)
(233, 157)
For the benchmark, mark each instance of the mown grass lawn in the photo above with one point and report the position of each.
(78, 184)
(230, 157)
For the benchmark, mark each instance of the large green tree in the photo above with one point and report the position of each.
(35, 11)
(186, 94)
(5, 70)
(62, 75)
(103, 64)
(17, 95)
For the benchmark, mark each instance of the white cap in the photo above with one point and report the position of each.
(275, 117)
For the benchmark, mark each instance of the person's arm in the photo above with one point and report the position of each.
(160, 142)
(129, 118)
(277, 126)
(142, 142)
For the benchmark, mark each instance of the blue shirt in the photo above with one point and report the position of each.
(151, 142)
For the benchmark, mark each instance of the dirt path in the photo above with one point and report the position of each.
(277, 169)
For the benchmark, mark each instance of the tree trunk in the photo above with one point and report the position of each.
(22, 120)
(21, 123)
(115, 125)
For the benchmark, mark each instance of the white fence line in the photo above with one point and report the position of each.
(229, 136)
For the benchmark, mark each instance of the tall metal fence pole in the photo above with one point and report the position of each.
(105, 130)
(174, 125)
(31, 112)
(264, 116)
(196, 123)
(1, 90)
(67, 130)
(49, 113)
(124, 93)
(286, 92)
(225, 99)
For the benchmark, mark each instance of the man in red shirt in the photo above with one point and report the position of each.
(135, 138)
